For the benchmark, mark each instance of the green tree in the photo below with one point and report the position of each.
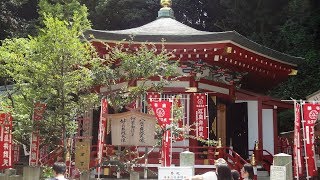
(50, 68)
(59, 67)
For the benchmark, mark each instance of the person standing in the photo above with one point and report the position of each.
(247, 172)
(59, 169)
(235, 174)
(223, 172)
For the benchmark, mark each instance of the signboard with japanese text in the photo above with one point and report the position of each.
(133, 129)
(176, 173)
(314, 97)
(200, 109)
(278, 173)
(82, 154)
(5, 141)
(310, 115)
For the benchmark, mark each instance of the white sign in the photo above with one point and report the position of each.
(175, 173)
(278, 173)
(133, 129)
(314, 97)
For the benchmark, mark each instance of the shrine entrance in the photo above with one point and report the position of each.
(237, 128)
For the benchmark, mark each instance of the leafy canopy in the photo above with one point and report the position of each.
(50, 68)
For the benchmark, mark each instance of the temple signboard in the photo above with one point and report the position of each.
(132, 129)
(314, 97)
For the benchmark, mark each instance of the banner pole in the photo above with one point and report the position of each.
(304, 138)
(207, 117)
(172, 104)
(296, 142)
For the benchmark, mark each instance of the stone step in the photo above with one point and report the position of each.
(263, 178)
(262, 173)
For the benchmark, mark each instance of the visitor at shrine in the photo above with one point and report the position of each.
(59, 169)
(247, 172)
(223, 172)
(235, 174)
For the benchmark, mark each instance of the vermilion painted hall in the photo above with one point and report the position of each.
(232, 70)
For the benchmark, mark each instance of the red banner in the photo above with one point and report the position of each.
(297, 155)
(162, 111)
(201, 115)
(5, 141)
(34, 149)
(310, 115)
(150, 98)
(43, 153)
(15, 153)
(38, 111)
(102, 127)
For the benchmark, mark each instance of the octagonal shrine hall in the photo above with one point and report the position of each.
(232, 71)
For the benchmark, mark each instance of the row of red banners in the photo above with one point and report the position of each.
(162, 110)
(306, 114)
(9, 151)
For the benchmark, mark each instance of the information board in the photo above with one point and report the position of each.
(278, 173)
(175, 173)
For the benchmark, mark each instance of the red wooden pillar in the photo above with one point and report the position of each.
(192, 142)
(259, 152)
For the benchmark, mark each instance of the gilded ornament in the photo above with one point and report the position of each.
(166, 3)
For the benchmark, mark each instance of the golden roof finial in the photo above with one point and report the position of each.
(166, 3)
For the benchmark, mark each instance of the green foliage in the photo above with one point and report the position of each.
(286, 120)
(49, 68)
(140, 63)
(71, 11)
(120, 14)
(47, 172)
(17, 18)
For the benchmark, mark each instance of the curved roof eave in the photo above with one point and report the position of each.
(199, 37)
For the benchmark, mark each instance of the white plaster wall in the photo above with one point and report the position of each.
(268, 132)
(252, 122)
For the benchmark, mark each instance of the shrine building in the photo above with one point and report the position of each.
(234, 71)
